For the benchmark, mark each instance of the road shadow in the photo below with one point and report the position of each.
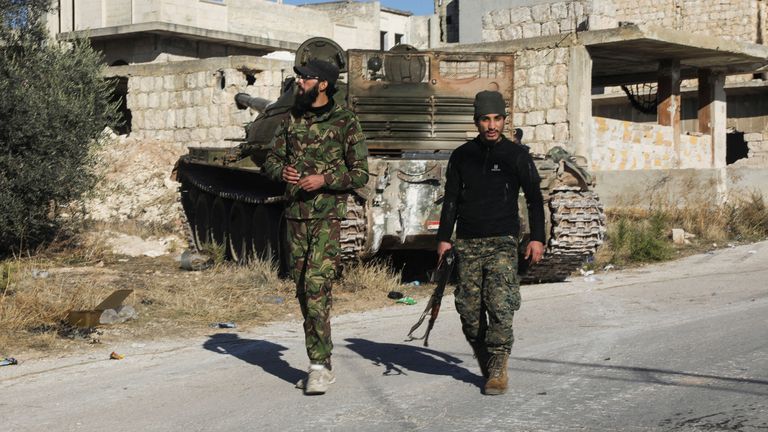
(264, 354)
(646, 375)
(397, 358)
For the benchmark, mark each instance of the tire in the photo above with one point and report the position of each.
(239, 245)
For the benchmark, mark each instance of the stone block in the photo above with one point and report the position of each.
(203, 117)
(168, 83)
(537, 75)
(170, 119)
(544, 132)
(157, 84)
(527, 132)
(758, 146)
(559, 10)
(198, 134)
(518, 119)
(749, 137)
(534, 118)
(541, 13)
(146, 84)
(204, 79)
(557, 115)
(141, 101)
(545, 97)
(550, 28)
(164, 100)
(511, 32)
(491, 35)
(520, 15)
(525, 99)
(500, 18)
(567, 25)
(181, 135)
(153, 100)
(521, 77)
(190, 81)
(561, 55)
(597, 22)
(197, 98)
(562, 133)
(186, 98)
(190, 118)
(557, 74)
(216, 134)
(531, 30)
(525, 59)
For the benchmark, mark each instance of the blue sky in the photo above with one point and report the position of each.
(418, 7)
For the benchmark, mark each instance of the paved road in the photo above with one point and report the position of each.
(678, 346)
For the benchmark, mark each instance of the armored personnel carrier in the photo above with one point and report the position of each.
(415, 107)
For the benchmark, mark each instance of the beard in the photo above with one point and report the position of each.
(304, 100)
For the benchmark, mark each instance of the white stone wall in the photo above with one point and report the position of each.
(730, 19)
(758, 148)
(187, 104)
(547, 19)
(541, 97)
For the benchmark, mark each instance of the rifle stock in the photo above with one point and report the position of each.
(442, 275)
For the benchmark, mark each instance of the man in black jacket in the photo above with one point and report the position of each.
(483, 180)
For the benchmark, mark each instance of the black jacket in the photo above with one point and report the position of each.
(483, 181)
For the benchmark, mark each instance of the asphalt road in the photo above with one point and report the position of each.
(677, 346)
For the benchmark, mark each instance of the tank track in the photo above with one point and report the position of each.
(578, 228)
(353, 230)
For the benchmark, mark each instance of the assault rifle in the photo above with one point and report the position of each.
(442, 276)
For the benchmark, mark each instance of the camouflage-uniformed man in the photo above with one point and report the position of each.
(483, 180)
(321, 155)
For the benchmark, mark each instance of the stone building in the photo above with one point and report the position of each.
(179, 63)
(692, 69)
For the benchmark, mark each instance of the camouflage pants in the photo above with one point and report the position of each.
(488, 291)
(315, 258)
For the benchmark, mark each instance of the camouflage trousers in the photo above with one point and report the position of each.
(488, 291)
(314, 262)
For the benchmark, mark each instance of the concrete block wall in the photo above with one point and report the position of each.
(695, 151)
(757, 142)
(623, 145)
(192, 102)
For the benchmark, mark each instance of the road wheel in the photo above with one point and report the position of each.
(261, 232)
(219, 222)
(201, 228)
(239, 244)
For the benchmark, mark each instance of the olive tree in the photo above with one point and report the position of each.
(54, 106)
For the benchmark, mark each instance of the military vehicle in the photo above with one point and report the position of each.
(415, 107)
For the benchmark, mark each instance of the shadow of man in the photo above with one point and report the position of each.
(264, 354)
(396, 357)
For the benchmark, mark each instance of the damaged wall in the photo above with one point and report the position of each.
(192, 102)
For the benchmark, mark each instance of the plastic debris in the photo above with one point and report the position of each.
(414, 283)
(39, 274)
(586, 273)
(194, 261)
(407, 301)
(395, 295)
(228, 324)
(8, 361)
(274, 299)
(116, 356)
(752, 252)
(609, 267)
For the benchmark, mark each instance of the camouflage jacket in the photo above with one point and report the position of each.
(331, 144)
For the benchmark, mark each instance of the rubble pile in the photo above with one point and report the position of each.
(135, 183)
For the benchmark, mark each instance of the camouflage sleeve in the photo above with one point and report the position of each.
(353, 173)
(277, 157)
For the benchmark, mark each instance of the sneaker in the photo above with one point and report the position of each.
(318, 380)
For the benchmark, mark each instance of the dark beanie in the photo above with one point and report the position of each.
(320, 69)
(489, 102)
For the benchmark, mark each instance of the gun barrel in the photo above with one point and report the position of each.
(244, 100)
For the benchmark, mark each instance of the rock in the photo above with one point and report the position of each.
(678, 236)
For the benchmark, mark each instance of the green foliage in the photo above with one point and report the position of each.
(53, 109)
(633, 240)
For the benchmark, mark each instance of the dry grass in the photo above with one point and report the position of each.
(170, 301)
(642, 234)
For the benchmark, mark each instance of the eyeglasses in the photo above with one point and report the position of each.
(306, 77)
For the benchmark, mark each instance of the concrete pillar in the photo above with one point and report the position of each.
(712, 112)
(668, 111)
(580, 101)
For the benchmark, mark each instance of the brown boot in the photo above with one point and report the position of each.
(497, 375)
(482, 356)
